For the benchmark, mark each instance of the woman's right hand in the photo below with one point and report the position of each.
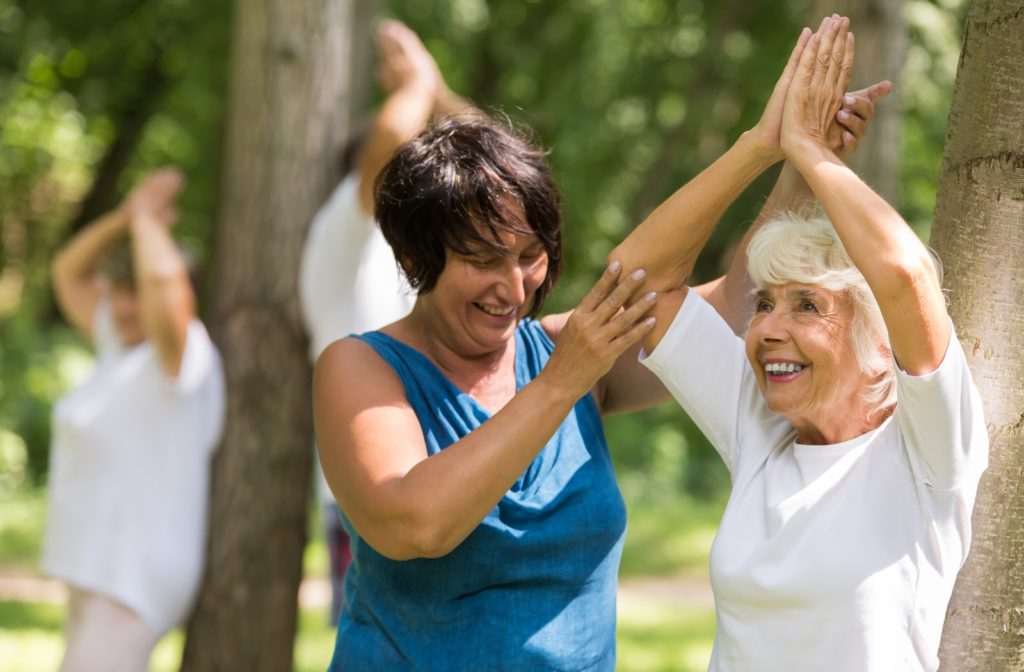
(609, 320)
(816, 92)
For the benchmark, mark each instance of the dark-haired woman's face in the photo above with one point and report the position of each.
(481, 297)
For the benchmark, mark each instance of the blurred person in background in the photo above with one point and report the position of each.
(349, 280)
(130, 458)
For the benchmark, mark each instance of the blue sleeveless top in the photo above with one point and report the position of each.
(533, 587)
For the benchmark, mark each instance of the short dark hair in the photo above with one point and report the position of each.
(448, 189)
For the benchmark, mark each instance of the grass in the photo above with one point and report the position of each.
(21, 523)
(668, 536)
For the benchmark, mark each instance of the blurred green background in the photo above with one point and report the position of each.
(631, 97)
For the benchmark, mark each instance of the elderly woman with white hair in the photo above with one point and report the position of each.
(847, 416)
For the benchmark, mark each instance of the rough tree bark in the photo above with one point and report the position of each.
(881, 33)
(977, 231)
(287, 107)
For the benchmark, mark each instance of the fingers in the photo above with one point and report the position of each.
(831, 53)
(620, 296)
(853, 123)
(794, 58)
(846, 69)
(601, 289)
(631, 318)
(849, 143)
(877, 92)
(809, 55)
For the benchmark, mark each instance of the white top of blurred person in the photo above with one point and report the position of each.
(349, 281)
(129, 474)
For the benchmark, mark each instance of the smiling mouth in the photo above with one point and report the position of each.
(783, 370)
(494, 311)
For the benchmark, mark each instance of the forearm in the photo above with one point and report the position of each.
(75, 269)
(893, 260)
(443, 498)
(81, 256)
(403, 114)
(667, 243)
(448, 103)
(166, 302)
(730, 294)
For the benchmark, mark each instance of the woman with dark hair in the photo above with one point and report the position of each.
(464, 447)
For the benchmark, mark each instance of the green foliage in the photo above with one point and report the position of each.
(632, 98)
(81, 83)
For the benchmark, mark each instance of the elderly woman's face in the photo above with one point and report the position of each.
(481, 297)
(801, 348)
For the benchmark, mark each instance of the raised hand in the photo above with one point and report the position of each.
(852, 119)
(153, 199)
(816, 92)
(404, 61)
(607, 322)
(768, 128)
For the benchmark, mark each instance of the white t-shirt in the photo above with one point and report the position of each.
(838, 557)
(349, 281)
(129, 475)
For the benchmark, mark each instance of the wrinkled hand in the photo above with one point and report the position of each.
(816, 92)
(852, 119)
(607, 322)
(153, 199)
(404, 61)
(768, 128)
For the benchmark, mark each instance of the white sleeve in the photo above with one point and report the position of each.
(330, 262)
(939, 415)
(201, 380)
(704, 365)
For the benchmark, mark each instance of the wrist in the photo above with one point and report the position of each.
(764, 154)
(803, 152)
(558, 390)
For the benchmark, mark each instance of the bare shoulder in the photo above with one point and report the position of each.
(350, 370)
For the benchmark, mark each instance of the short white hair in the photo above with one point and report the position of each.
(807, 250)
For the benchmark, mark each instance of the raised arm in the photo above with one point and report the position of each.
(75, 267)
(408, 505)
(894, 262)
(668, 241)
(416, 91)
(166, 300)
(729, 294)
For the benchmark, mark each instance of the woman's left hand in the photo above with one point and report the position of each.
(853, 118)
(816, 92)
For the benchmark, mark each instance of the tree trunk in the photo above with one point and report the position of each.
(288, 98)
(881, 34)
(977, 231)
(361, 70)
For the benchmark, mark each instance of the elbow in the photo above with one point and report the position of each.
(915, 273)
(427, 537)
(407, 536)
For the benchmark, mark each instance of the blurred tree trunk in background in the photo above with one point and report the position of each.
(881, 33)
(363, 61)
(979, 215)
(287, 109)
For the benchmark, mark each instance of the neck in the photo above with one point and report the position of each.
(840, 427)
(459, 361)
